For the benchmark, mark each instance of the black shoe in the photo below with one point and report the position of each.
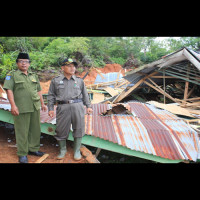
(36, 153)
(23, 159)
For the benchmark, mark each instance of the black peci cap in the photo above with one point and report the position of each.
(23, 56)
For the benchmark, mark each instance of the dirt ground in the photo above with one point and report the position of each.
(8, 149)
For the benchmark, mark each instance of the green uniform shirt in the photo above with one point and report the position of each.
(25, 89)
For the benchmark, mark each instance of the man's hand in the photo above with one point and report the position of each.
(14, 110)
(89, 111)
(51, 113)
(44, 107)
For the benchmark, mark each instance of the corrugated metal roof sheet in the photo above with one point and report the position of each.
(149, 130)
(108, 78)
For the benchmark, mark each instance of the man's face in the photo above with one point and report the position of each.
(23, 64)
(69, 69)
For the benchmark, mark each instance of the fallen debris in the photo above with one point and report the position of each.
(175, 109)
(97, 98)
(42, 158)
(88, 155)
(111, 91)
(119, 108)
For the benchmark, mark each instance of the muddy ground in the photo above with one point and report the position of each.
(8, 149)
(48, 144)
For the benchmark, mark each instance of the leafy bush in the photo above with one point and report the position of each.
(118, 60)
(7, 63)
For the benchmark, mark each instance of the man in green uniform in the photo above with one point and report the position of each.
(70, 94)
(24, 94)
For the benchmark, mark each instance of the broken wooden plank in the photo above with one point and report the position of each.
(100, 73)
(87, 154)
(111, 91)
(117, 78)
(42, 158)
(97, 98)
(93, 86)
(192, 99)
(191, 91)
(125, 82)
(172, 108)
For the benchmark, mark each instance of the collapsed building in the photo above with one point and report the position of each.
(138, 118)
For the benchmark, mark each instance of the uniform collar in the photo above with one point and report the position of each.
(20, 72)
(72, 77)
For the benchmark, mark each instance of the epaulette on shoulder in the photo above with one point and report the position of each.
(78, 77)
(56, 77)
(11, 72)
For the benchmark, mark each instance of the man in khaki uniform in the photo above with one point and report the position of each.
(70, 94)
(24, 94)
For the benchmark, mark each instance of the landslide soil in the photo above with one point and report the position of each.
(90, 78)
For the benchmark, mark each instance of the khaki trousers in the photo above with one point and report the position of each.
(67, 115)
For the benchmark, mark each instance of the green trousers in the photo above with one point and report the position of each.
(27, 132)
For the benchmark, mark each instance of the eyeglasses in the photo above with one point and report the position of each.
(23, 61)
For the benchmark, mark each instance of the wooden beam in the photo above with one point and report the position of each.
(191, 91)
(187, 83)
(163, 77)
(186, 90)
(144, 74)
(164, 85)
(123, 83)
(192, 99)
(117, 78)
(161, 91)
(126, 93)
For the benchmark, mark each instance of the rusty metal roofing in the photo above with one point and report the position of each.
(149, 129)
(4, 104)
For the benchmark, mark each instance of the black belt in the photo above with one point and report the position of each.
(70, 101)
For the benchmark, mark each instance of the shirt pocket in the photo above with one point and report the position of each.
(34, 84)
(60, 89)
(19, 84)
(77, 90)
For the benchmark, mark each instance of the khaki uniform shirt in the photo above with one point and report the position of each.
(25, 89)
(62, 89)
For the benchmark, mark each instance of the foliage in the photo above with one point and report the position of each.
(47, 52)
(118, 60)
(7, 63)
